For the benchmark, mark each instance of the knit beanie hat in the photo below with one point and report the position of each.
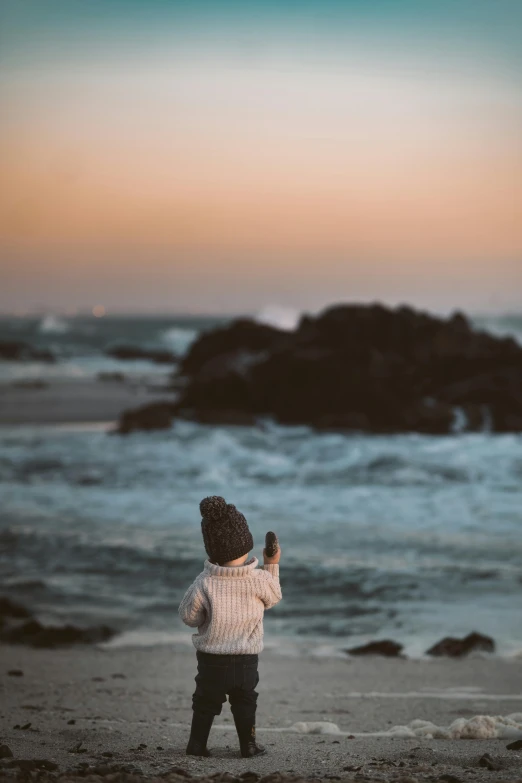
(225, 530)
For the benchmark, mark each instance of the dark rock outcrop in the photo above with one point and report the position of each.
(156, 416)
(10, 610)
(453, 647)
(19, 626)
(243, 336)
(34, 634)
(384, 647)
(355, 367)
(132, 353)
(18, 351)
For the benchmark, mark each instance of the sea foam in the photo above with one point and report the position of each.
(179, 339)
(478, 727)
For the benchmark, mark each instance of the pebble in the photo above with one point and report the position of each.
(78, 748)
(5, 752)
(489, 763)
(15, 673)
(516, 745)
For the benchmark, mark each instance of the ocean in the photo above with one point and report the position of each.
(406, 537)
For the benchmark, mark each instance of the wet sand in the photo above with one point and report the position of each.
(112, 706)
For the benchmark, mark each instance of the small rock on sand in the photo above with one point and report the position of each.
(489, 763)
(5, 752)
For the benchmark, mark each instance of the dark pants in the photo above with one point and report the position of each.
(219, 675)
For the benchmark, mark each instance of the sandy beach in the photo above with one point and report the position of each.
(113, 706)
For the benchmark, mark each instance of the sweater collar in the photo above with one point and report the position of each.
(244, 570)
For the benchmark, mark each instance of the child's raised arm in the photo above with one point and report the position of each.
(271, 592)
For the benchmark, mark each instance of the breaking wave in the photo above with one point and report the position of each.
(51, 324)
(281, 317)
(179, 339)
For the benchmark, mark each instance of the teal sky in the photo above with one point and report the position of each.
(487, 28)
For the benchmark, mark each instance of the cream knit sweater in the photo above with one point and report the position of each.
(226, 604)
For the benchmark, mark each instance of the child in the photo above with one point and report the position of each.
(226, 604)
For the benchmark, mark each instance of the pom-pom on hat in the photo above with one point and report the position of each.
(225, 530)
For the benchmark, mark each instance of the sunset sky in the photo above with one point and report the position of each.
(226, 156)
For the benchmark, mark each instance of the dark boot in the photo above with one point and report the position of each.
(246, 732)
(199, 731)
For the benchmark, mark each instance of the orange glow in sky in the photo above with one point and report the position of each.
(180, 182)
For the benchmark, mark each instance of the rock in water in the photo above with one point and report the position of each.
(384, 647)
(243, 336)
(156, 416)
(456, 648)
(17, 351)
(355, 367)
(10, 609)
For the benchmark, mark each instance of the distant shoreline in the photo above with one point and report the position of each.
(73, 401)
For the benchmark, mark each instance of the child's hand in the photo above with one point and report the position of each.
(272, 560)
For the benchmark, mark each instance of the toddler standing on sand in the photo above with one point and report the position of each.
(226, 604)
